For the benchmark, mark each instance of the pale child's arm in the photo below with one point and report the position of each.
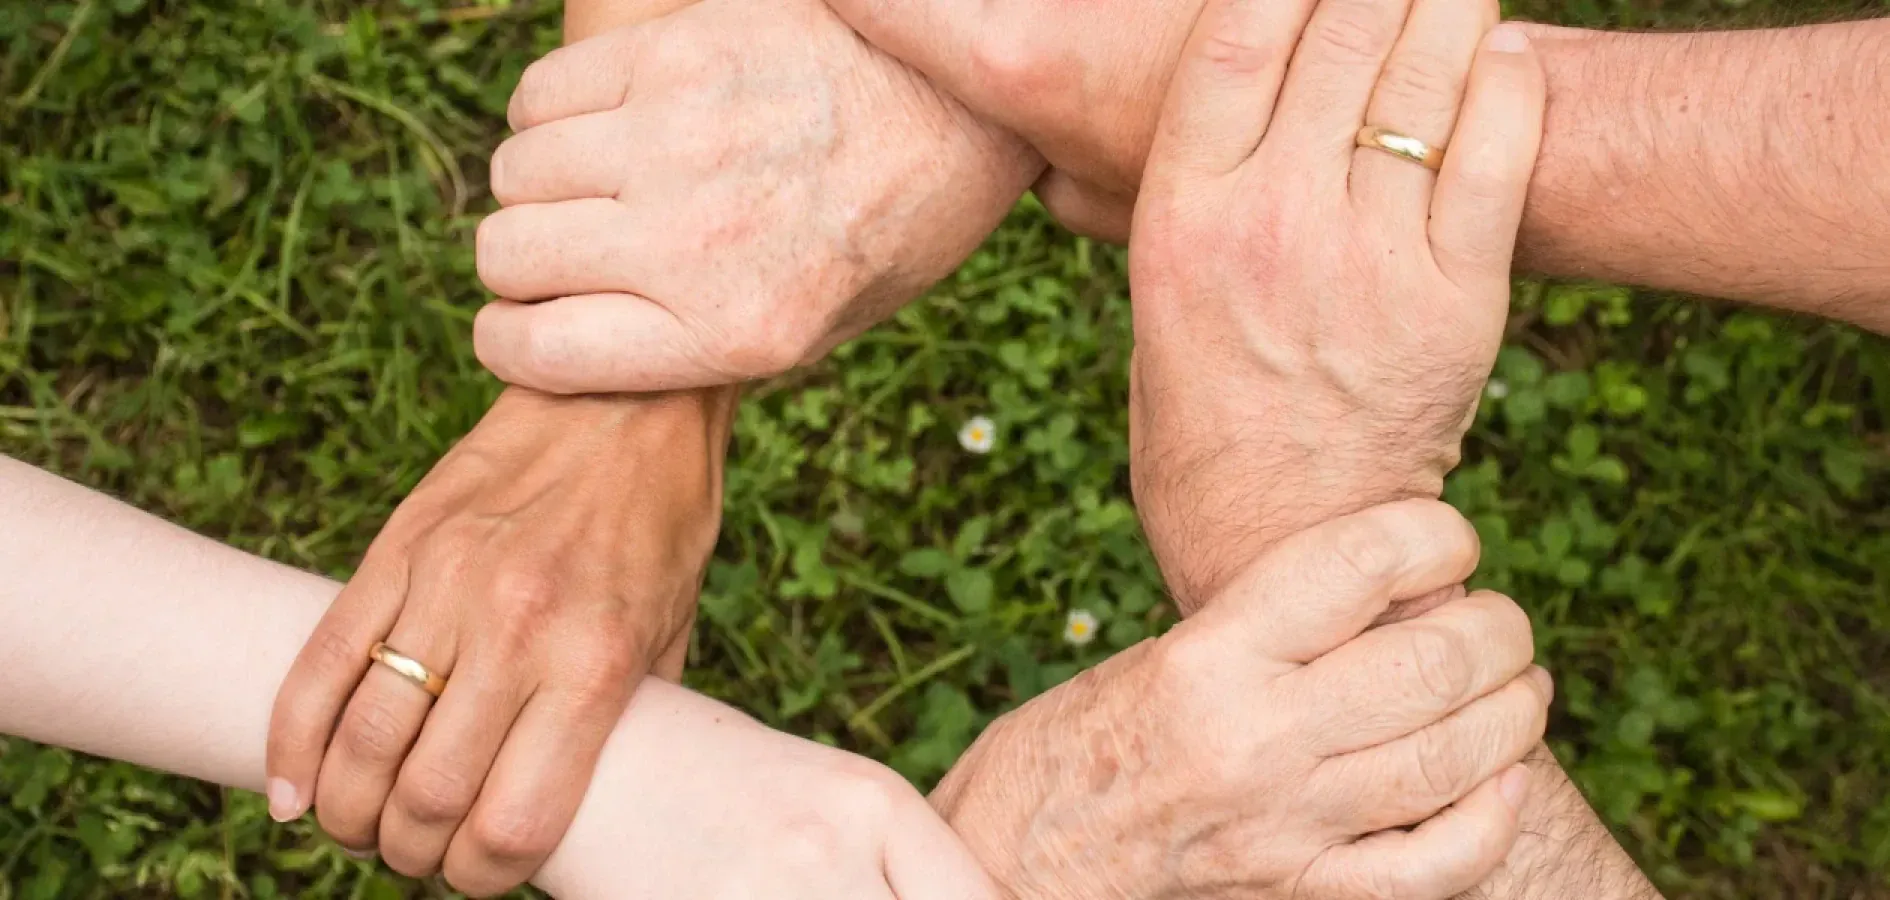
(128, 637)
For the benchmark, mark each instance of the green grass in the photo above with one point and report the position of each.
(235, 283)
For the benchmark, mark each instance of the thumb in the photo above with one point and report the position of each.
(593, 343)
(1322, 587)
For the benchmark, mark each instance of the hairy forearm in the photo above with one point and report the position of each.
(1746, 165)
(1565, 852)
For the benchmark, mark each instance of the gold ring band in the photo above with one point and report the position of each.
(407, 667)
(1402, 146)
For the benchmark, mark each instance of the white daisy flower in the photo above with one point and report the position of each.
(979, 435)
(1080, 628)
(1497, 389)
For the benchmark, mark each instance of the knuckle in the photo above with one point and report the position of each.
(1439, 666)
(548, 354)
(513, 833)
(1367, 549)
(1462, 542)
(604, 672)
(331, 653)
(1010, 64)
(1188, 663)
(869, 793)
(536, 94)
(764, 351)
(815, 845)
(1511, 624)
(1421, 81)
(1357, 30)
(1441, 769)
(373, 733)
(434, 795)
(524, 589)
(1239, 44)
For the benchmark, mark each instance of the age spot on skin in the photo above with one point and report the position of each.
(1103, 763)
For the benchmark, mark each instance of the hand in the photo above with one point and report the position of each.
(1080, 82)
(547, 562)
(1315, 321)
(721, 195)
(694, 801)
(1266, 748)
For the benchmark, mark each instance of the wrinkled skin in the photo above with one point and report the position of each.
(1315, 321)
(1270, 746)
(723, 194)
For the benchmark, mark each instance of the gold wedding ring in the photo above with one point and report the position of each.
(1402, 146)
(407, 667)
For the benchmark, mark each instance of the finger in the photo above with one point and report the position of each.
(1445, 856)
(443, 774)
(1395, 680)
(323, 677)
(1479, 199)
(376, 730)
(566, 159)
(590, 76)
(1224, 88)
(1418, 96)
(597, 343)
(1330, 82)
(1406, 781)
(1321, 587)
(1085, 209)
(926, 860)
(543, 250)
(534, 788)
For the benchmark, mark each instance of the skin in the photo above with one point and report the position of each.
(1078, 86)
(1652, 169)
(168, 658)
(542, 567)
(1585, 217)
(849, 184)
(1275, 260)
(545, 565)
(1369, 291)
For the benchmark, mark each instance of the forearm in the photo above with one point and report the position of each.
(1565, 852)
(1743, 164)
(130, 638)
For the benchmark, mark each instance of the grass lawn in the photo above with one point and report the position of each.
(236, 280)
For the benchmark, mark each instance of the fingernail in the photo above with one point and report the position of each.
(358, 854)
(285, 805)
(1507, 39)
(1515, 785)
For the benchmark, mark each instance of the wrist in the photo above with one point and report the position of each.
(1565, 851)
(1240, 470)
